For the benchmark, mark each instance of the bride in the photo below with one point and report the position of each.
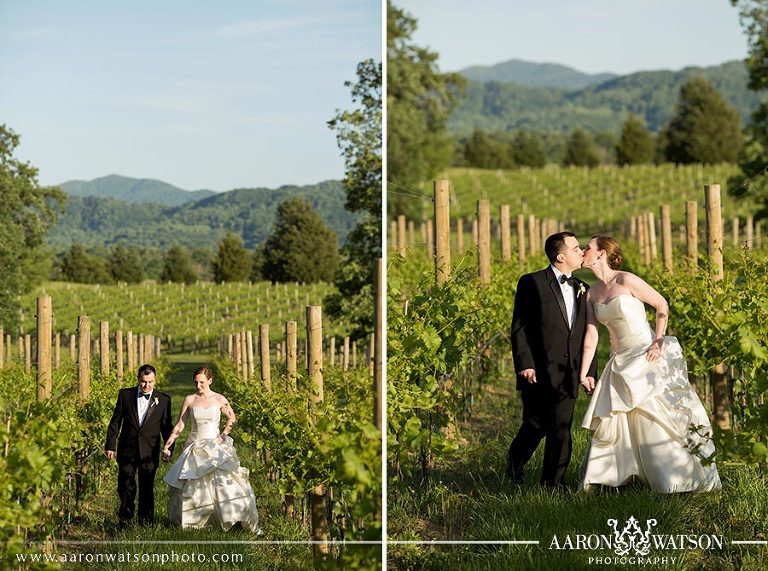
(207, 482)
(643, 408)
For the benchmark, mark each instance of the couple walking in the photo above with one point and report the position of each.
(642, 409)
(207, 483)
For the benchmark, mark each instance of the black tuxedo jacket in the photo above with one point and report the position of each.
(139, 443)
(541, 337)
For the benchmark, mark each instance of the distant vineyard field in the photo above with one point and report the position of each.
(603, 196)
(203, 310)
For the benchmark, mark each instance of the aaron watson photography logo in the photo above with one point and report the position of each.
(635, 544)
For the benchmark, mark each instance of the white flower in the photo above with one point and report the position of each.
(156, 401)
(580, 289)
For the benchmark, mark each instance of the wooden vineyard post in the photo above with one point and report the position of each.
(354, 354)
(140, 344)
(84, 357)
(345, 361)
(692, 234)
(506, 235)
(666, 238)
(442, 231)
(44, 325)
(104, 347)
(119, 354)
(651, 225)
(56, 351)
(718, 375)
(72, 348)
(315, 374)
(520, 238)
(290, 355)
(401, 235)
(266, 379)
(251, 358)
(2, 348)
(393, 234)
(333, 351)
(735, 228)
(129, 351)
(460, 236)
(411, 234)
(378, 331)
(27, 353)
(474, 232)
(749, 232)
(484, 241)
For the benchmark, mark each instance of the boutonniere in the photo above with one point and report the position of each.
(156, 401)
(580, 289)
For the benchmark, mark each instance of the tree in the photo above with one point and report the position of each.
(78, 265)
(358, 134)
(580, 150)
(419, 102)
(486, 152)
(527, 150)
(125, 265)
(27, 211)
(704, 129)
(301, 247)
(636, 145)
(232, 262)
(753, 160)
(177, 266)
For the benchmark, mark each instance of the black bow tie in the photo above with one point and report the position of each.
(145, 395)
(573, 281)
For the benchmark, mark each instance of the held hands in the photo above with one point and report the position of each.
(654, 351)
(110, 454)
(588, 383)
(529, 375)
(166, 454)
(221, 438)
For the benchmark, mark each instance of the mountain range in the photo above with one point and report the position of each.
(552, 98)
(116, 209)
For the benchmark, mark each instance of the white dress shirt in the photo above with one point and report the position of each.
(569, 296)
(142, 405)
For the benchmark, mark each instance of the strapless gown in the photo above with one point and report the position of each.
(207, 482)
(641, 412)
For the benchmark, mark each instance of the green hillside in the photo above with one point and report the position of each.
(502, 106)
(534, 74)
(248, 212)
(133, 190)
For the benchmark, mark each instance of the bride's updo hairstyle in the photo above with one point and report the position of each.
(203, 371)
(612, 250)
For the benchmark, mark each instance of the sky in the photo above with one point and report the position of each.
(199, 94)
(592, 36)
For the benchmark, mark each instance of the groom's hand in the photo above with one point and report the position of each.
(110, 454)
(589, 384)
(529, 375)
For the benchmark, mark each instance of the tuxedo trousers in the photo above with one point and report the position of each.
(126, 490)
(547, 415)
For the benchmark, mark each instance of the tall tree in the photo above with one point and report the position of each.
(636, 145)
(580, 150)
(78, 265)
(301, 247)
(358, 134)
(419, 101)
(125, 265)
(753, 182)
(232, 262)
(177, 266)
(704, 129)
(483, 151)
(27, 211)
(527, 150)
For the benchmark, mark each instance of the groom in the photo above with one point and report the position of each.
(141, 415)
(548, 325)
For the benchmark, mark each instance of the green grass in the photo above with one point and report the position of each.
(470, 499)
(99, 515)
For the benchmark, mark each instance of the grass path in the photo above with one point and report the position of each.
(471, 499)
(146, 546)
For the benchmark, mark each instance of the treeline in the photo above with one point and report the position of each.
(300, 248)
(704, 129)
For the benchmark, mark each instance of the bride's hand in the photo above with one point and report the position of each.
(654, 351)
(220, 439)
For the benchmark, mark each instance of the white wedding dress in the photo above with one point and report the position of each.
(641, 412)
(207, 483)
